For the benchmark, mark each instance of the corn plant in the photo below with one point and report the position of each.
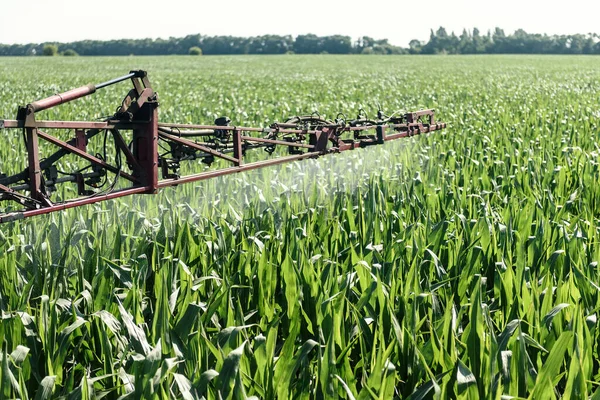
(463, 264)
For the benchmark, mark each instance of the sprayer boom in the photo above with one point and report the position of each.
(144, 155)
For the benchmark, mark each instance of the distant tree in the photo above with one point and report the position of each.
(195, 51)
(415, 46)
(588, 47)
(70, 53)
(500, 43)
(479, 42)
(576, 44)
(440, 42)
(465, 42)
(337, 44)
(50, 50)
(363, 43)
(367, 50)
(308, 44)
(453, 44)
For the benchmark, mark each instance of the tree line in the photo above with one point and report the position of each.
(497, 42)
(440, 42)
(214, 45)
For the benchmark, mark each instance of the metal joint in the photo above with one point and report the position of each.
(140, 73)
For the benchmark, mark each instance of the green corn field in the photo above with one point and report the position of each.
(459, 264)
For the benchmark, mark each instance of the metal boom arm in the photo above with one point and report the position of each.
(137, 136)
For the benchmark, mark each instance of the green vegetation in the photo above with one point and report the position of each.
(195, 51)
(440, 42)
(70, 53)
(459, 264)
(497, 42)
(50, 50)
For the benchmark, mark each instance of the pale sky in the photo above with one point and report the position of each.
(26, 21)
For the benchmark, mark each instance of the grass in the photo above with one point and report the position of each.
(462, 264)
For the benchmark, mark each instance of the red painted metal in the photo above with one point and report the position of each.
(281, 142)
(65, 97)
(80, 140)
(232, 170)
(74, 203)
(35, 173)
(238, 149)
(83, 154)
(197, 146)
(11, 123)
(135, 134)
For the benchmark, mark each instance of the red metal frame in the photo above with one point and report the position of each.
(304, 137)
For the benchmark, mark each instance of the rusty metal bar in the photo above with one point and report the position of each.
(197, 146)
(238, 153)
(85, 155)
(6, 189)
(233, 170)
(281, 142)
(230, 128)
(35, 172)
(73, 203)
(65, 97)
(80, 140)
(191, 133)
(120, 142)
(73, 124)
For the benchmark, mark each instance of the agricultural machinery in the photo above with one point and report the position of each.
(131, 152)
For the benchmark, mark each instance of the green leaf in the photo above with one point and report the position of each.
(544, 385)
(46, 388)
(466, 381)
(547, 320)
(229, 374)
